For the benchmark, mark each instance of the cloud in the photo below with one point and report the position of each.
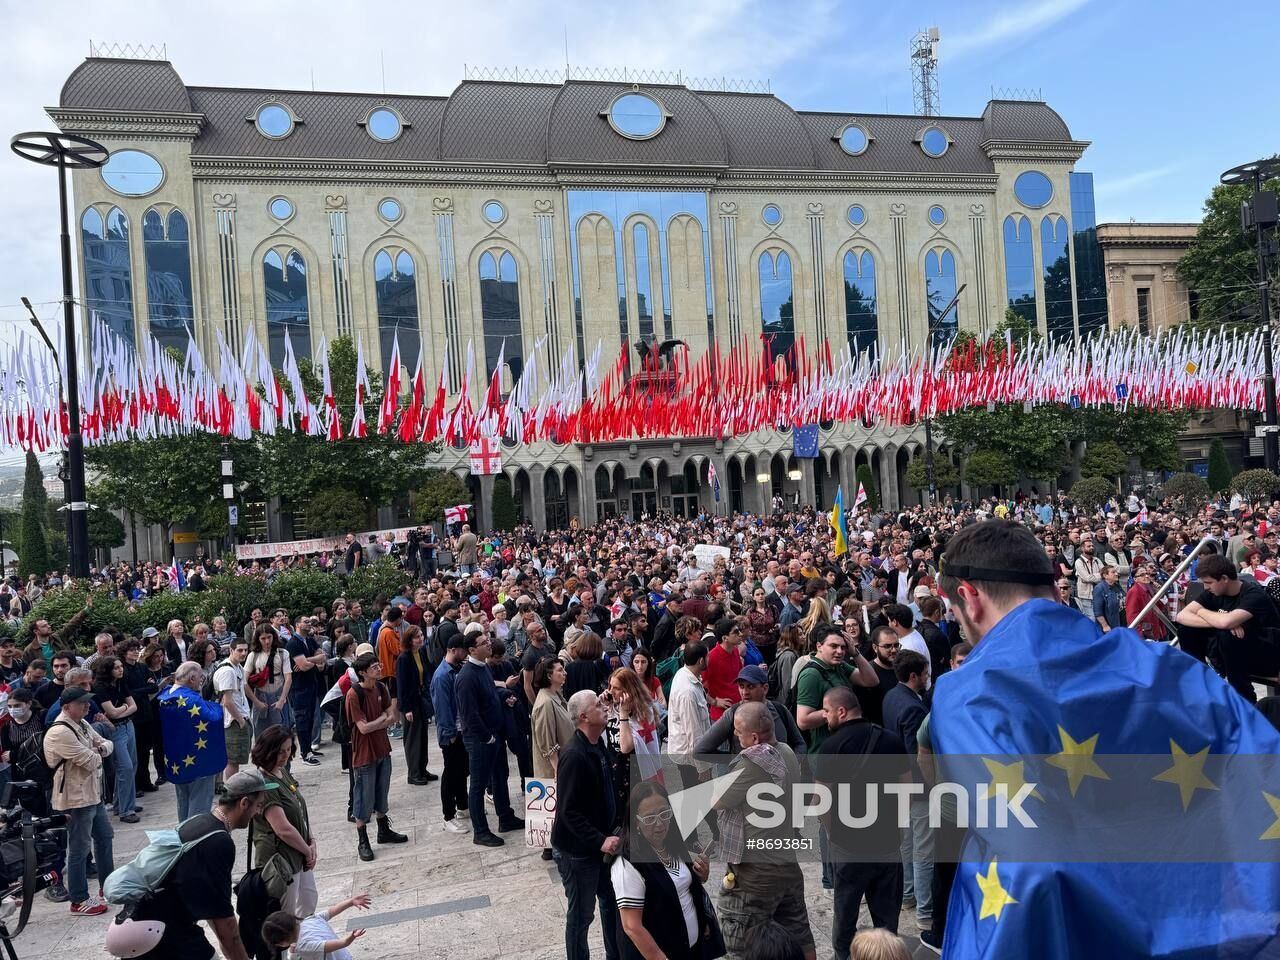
(1116, 186)
(1019, 22)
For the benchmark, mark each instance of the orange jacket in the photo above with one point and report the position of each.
(388, 650)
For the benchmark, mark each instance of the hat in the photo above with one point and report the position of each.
(459, 641)
(753, 674)
(364, 648)
(150, 632)
(472, 629)
(72, 694)
(245, 784)
(920, 591)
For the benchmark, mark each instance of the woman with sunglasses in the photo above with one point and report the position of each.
(655, 881)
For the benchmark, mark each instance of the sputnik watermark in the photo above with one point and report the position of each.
(771, 805)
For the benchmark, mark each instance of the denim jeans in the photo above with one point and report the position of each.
(586, 880)
(373, 782)
(303, 704)
(125, 757)
(488, 768)
(87, 826)
(270, 716)
(917, 861)
(195, 797)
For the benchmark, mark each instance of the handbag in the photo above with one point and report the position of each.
(710, 938)
(259, 679)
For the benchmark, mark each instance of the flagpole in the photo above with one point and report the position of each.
(1173, 577)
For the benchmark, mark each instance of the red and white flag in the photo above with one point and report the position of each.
(457, 514)
(486, 457)
(861, 498)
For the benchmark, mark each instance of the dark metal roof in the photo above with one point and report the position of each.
(152, 86)
(559, 124)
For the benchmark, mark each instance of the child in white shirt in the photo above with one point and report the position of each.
(313, 938)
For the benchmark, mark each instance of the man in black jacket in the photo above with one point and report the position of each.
(482, 722)
(583, 831)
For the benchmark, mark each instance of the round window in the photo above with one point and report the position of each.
(495, 212)
(771, 215)
(281, 208)
(854, 140)
(636, 115)
(1033, 189)
(274, 121)
(934, 142)
(857, 216)
(132, 173)
(389, 210)
(937, 216)
(383, 124)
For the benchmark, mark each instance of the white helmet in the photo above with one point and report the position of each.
(133, 938)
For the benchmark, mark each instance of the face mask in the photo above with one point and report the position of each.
(21, 714)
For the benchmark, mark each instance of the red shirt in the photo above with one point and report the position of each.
(720, 679)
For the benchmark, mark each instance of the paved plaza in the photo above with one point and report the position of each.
(439, 896)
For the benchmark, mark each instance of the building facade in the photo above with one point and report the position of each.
(1145, 291)
(514, 218)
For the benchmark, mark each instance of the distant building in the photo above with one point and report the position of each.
(1144, 291)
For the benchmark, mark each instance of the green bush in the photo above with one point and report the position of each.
(438, 491)
(989, 468)
(382, 578)
(944, 473)
(1219, 467)
(61, 606)
(1187, 491)
(300, 591)
(336, 511)
(1104, 459)
(156, 611)
(1092, 492)
(506, 511)
(868, 482)
(234, 596)
(1256, 485)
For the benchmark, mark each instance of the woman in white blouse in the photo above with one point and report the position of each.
(655, 880)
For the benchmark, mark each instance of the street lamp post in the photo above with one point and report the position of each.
(1258, 212)
(68, 153)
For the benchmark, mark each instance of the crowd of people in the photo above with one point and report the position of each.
(604, 659)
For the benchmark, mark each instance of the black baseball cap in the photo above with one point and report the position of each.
(74, 694)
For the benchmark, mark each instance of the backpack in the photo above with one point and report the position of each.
(146, 873)
(775, 677)
(207, 689)
(667, 669)
(792, 692)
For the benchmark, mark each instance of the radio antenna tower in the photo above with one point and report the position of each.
(924, 72)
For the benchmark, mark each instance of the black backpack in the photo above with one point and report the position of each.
(206, 689)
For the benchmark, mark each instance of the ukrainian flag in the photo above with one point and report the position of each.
(1045, 682)
(839, 524)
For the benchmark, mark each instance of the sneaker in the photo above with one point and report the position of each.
(931, 939)
(509, 824)
(488, 840)
(315, 747)
(129, 818)
(57, 893)
(454, 827)
(396, 732)
(311, 760)
(93, 907)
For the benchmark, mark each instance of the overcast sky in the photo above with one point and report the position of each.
(1169, 96)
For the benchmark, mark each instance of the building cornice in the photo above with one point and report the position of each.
(886, 182)
(1046, 151)
(126, 125)
(371, 171)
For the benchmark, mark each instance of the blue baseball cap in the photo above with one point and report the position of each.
(753, 674)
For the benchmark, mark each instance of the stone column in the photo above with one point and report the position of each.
(484, 507)
(538, 497)
(586, 495)
(889, 479)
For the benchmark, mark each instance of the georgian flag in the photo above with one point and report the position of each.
(861, 498)
(457, 514)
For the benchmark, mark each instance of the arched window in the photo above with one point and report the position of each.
(108, 280)
(500, 315)
(169, 298)
(285, 280)
(940, 289)
(860, 320)
(777, 304)
(644, 289)
(396, 288)
(1020, 267)
(1059, 316)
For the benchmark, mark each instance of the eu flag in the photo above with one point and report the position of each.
(805, 441)
(194, 743)
(1046, 681)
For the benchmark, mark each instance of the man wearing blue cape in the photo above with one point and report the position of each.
(1044, 682)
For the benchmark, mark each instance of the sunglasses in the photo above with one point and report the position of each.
(653, 819)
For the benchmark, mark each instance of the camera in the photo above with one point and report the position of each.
(29, 848)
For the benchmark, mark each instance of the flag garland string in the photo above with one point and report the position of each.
(140, 394)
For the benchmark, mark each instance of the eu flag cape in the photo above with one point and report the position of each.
(1046, 681)
(194, 743)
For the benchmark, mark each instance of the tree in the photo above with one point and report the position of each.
(1221, 264)
(106, 530)
(1256, 485)
(1219, 466)
(1186, 492)
(868, 484)
(1092, 492)
(989, 468)
(1104, 459)
(506, 512)
(35, 548)
(377, 468)
(944, 473)
(438, 491)
(337, 511)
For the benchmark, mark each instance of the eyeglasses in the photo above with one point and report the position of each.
(890, 646)
(653, 819)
